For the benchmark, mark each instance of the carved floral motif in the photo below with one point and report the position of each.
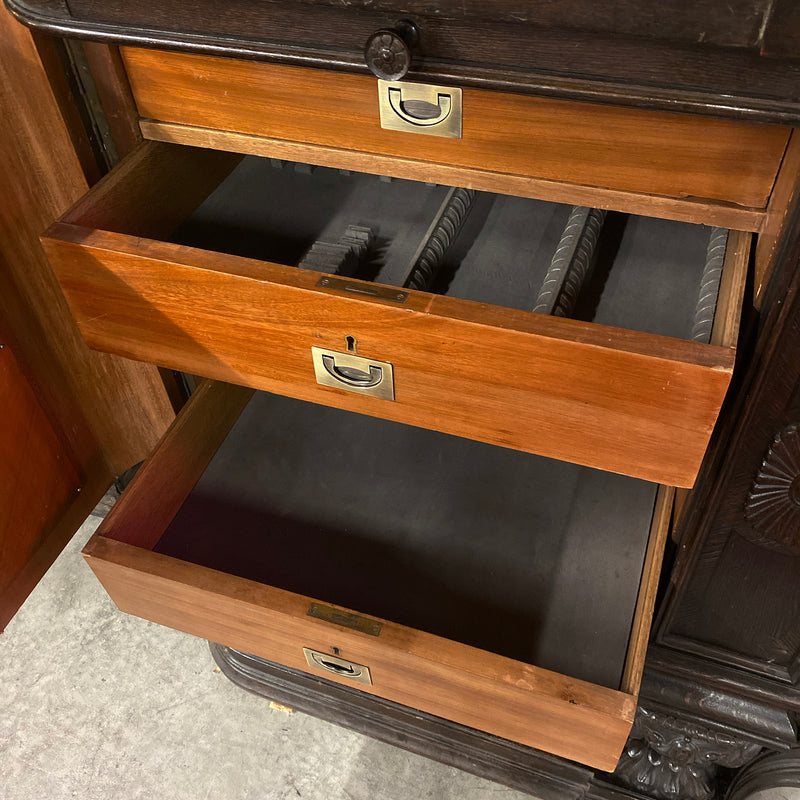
(773, 504)
(672, 759)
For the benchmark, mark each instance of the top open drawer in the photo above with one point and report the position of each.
(615, 389)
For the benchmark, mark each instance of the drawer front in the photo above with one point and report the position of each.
(617, 400)
(628, 403)
(569, 717)
(653, 153)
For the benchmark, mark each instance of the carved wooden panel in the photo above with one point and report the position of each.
(736, 593)
(773, 503)
(668, 757)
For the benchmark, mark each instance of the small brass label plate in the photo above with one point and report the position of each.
(345, 618)
(346, 286)
(420, 108)
(337, 666)
(353, 373)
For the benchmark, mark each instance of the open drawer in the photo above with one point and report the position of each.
(616, 389)
(503, 591)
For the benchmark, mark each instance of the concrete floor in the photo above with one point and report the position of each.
(96, 704)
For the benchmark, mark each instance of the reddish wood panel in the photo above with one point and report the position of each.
(37, 478)
(785, 197)
(652, 152)
(99, 403)
(114, 91)
(106, 413)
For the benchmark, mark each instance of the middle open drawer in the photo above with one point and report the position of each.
(219, 294)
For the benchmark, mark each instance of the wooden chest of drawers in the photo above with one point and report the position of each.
(637, 402)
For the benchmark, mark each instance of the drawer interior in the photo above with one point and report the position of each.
(530, 558)
(493, 588)
(646, 273)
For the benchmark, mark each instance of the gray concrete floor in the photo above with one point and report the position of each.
(96, 704)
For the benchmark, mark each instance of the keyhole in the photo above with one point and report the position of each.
(352, 344)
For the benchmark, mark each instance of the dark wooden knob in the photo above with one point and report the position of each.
(388, 51)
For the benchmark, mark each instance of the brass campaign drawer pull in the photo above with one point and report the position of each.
(351, 376)
(337, 666)
(420, 108)
(354, 373)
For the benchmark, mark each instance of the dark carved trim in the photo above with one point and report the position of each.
(773, 503)
(439, 239)
(748, 706)
(761, 405)
(527, 59)
(675, 759)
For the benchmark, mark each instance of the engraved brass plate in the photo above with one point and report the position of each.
(359, 288)
(420, 108)
(345, 618)
(353, 373)
(337, 666)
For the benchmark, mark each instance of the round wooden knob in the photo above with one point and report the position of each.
(388, 51)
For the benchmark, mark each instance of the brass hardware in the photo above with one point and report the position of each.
(420, 108)
(337, 666)
(359, 287)
(353, 373)
(345, 618)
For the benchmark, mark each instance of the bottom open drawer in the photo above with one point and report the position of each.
(496, 589)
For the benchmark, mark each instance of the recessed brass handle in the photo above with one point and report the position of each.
(353, 373)
(421, 112)
(337, 666)
(420, 108)
(351, 376)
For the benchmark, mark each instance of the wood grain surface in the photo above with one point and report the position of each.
(106, 413)
(728, 314)
(658, 153)
(153, 190)
(705, 212)
(114, 93)
(618, 400)
(97, 402)
(542, 709)
(537, 707)
(184, 452)
(38, 480)
(782, 203)
(646, 603)
(615, 60)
